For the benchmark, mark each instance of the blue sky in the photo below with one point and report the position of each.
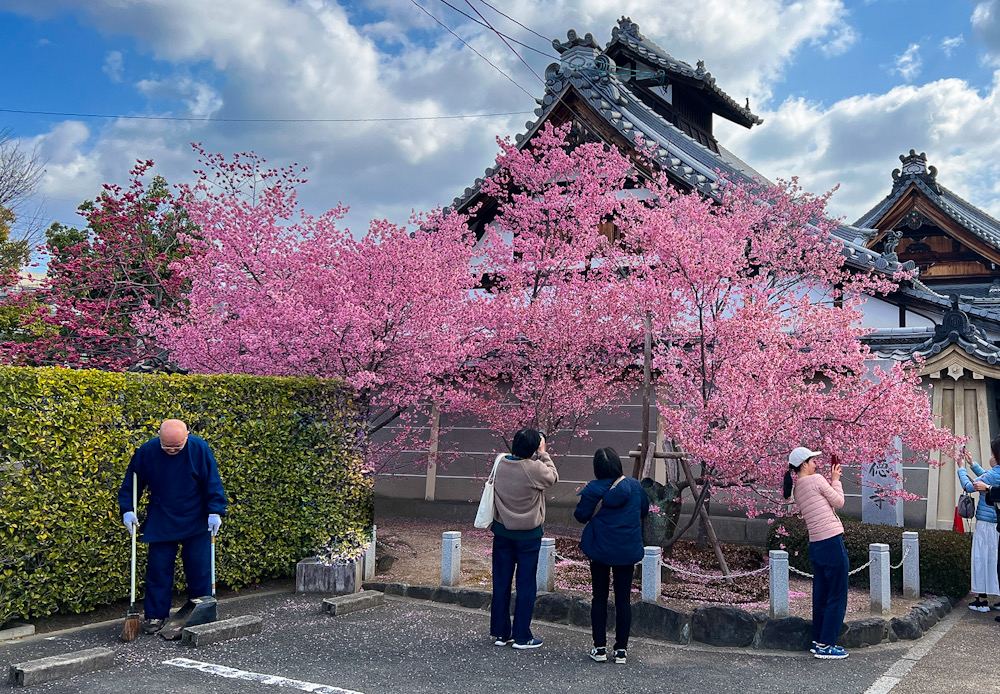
(843, 87)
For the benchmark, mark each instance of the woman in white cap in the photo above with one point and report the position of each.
(816, 500)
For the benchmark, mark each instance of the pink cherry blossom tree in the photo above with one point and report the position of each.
(275, 291)
(558, 337)
(758, 339)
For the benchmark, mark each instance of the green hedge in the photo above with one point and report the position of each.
(945, 556)
(289, 452)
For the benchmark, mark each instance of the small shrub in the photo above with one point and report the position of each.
(945, 564)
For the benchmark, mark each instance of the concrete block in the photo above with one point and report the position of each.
(17, 631)
(60, 666)
(225, 629)
(311, 576)
(343, 604)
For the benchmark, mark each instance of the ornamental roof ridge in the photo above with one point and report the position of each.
(627, 33)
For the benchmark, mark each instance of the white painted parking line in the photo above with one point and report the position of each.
(233, 673)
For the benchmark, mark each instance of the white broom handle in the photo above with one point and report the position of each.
(135, 503)
(213, 566)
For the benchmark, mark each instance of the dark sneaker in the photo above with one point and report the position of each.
(620, 656)
(979, 605)
(830, 653)
(533, 643)
(816, 646)
(996, 606)
(501, 641)
(599, 653)
(151, 626)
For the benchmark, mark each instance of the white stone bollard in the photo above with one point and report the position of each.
(778, 582)
(370, 558)
(651, 559)
(451, 558)
(879, 573)
(911, 565)
(545, 574)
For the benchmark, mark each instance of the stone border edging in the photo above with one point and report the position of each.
(716, 625)
(59, 666)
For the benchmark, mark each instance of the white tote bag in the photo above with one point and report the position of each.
(484, 516)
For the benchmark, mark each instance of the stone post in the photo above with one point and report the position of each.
(652, 556)
(778, 583)
(451, 558)
(370, 558)
(545, 575)
(879, 573)
(911, 565)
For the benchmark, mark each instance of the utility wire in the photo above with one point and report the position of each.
(509, 78)
(505, 41)
(486, 24)
(546, 39)
(263, 120)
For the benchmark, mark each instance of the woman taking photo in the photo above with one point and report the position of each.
(816, 500)
(613, 507)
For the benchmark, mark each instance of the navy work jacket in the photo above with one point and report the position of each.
(614, 535)
(183, 489)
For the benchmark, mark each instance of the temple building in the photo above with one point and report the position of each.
(631, 94)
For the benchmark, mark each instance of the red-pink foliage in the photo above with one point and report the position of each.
(85, 313)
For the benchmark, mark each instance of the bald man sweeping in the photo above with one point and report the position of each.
(185, 509)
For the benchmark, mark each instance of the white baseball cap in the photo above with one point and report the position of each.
(801, 455)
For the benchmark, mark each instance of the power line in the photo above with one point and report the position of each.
(263, 120)
(516, 22)
(484, 23)
(505, 41)
(509, 78)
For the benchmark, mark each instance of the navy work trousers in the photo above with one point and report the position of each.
(600, 575)
(509, 554)
(196, 557)
(829, 560)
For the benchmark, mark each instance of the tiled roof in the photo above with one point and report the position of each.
(955, 328)
(627, 36)
(916, 172)
(588, 72)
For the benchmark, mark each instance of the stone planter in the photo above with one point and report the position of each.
(313, 577)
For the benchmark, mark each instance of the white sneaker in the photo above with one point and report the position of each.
(600, 654)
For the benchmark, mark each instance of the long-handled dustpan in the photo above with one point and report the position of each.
(132, 623)
(194, 612)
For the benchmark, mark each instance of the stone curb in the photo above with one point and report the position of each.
(352, 603)
(17, 632)
(59, 666)
(213, 632)
(713, 625)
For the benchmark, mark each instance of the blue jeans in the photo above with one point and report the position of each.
(196, 556)
(509, 554)
(829, 560)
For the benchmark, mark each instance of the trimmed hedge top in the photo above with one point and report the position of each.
(945, 556)
(290, 454)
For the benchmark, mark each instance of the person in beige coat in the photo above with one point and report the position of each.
(521, 481)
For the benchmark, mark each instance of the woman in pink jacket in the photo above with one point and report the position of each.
(816, 500)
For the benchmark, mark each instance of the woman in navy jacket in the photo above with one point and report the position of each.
(612, 541)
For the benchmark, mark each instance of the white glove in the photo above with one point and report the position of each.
(130, 521)
(214, 523)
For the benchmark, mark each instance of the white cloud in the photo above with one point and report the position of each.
(950, 43)
(855, 143)
(114, 65)
(278, 59)
(909, 64)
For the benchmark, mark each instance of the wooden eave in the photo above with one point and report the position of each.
(915, 199)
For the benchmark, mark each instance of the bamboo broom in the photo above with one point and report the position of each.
(132, 624)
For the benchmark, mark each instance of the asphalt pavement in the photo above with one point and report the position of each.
(409, 646)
